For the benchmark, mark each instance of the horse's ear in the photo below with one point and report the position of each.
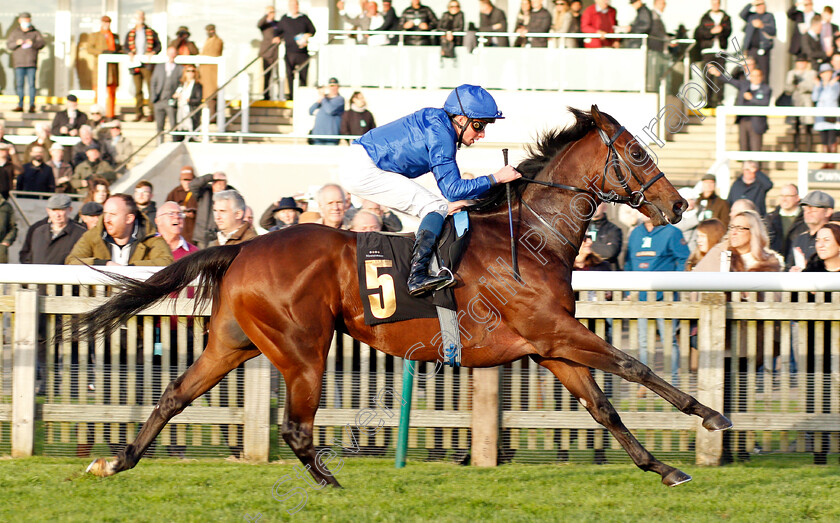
(600, 122)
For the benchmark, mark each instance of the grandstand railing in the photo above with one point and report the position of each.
(802, 159)
(511, 68)
(726, 348)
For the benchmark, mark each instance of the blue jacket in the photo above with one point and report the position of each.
(419, 143)
(662, 249)
(328, 119)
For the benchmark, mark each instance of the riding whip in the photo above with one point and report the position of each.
(510, 221)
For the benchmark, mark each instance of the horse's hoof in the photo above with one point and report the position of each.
(676, 477)
(717, 422)
(101, 467)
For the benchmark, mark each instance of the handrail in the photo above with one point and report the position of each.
(192, 113)
(580, 36)
(581, 280)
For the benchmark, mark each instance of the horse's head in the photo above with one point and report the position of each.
(631, 176)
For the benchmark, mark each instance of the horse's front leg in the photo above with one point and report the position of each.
(579, 381)
(580, 345)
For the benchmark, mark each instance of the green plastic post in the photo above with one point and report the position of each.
(405, 413)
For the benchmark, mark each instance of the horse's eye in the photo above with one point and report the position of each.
(637, 155)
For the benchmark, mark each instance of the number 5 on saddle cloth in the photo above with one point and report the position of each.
(384, 261)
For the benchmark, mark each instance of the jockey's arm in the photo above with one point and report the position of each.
(455, 188)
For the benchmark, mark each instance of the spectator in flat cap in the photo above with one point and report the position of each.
(50, 242)
(709, 204)
(90, 213)
(24, 42)
(86, 139)
(93, 166)
(280, 214)
(817, 208)
(68, 121)
(328, 111)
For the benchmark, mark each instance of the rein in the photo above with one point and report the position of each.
(634, 199)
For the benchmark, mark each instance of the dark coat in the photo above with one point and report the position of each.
(62, 119)
(204, 231)
(540, 22)
(41, 247)
(756, 192)
(765, 35)
(780, 242)
(36, 179)
(797, 17)
(390, 22)
(486, 23)
(268, 28)
(717, 208)
(703, 33)
(760, 97)
(163, 85)
(356, 123)
(288, 28)
(640, 25)
(607, 242)
(425, 15)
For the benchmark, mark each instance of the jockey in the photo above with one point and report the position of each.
(382, 163)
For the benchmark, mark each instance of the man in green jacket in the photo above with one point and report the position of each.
(8, 229)
(122, 237)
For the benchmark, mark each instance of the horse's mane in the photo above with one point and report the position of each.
(548, 145)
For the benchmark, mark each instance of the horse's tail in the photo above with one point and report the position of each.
(208, 265)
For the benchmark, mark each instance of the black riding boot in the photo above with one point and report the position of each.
(419, 280)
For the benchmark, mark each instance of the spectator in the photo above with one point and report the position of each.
(751, 185)
(752, 91)
(811, 46)
(118, 146)
(229, 216)
(606, 237)
(523, 18)
(268, 47)
(390, 21)
(365, 221)
(759, 34)
(106, 41)
(817, 207)
(248, 217)
(492, 20)
(599, 18)
(122, 237)
(36, 175)
(93, 166)
(213, 46)
(165, 81)
(280, 214)
(24, 42)
(418, 18)
(331, 205)
(709, 204)
(182, 195)
(97, 123)
(660, 248)
(42, 139)
(690, 217)
(835, 62)
(86, 140)
(52, 241)
(712, 37)
(365, 21)
(452, 21)
(799, 84)
(182, 43)
(9, 171)
(68, 121)
(357, 120)
(389, 221)
(141, 40)
(801, 22)
(203, 189)
(828, 31)
(329, 108)
(296, 29)
(143, 194)
(89, 214)
(11, 147)
(709, 234)
(827, 246)
(589, 260)
(568, 21)
(785, 222)
(8, 228)
(748, 244)
(62, 171)
(642, 24)
(170, 223)
(98, 190)
(826, 94)
(188, 96)
(539, 22)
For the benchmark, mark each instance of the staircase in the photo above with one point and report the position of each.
(688, 154)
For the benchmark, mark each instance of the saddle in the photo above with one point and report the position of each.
(384, 260)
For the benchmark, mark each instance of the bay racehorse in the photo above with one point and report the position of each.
(285, 293)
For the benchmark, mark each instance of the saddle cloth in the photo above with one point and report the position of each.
(384, 260)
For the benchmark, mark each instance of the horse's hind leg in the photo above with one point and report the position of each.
(579, 381)
(221, 356)
(582, 346)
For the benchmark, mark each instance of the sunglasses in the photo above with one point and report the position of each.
(478, 125)
(736, 228)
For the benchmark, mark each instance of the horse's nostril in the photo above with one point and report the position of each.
(679, 207)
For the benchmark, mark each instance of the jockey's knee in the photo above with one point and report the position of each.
(441, 207)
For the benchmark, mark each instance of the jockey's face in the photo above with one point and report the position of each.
(471, 135)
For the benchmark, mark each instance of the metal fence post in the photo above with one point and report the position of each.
(711, 340)
(257, 409)
(485, 417)
(24, 351)
(245, 101)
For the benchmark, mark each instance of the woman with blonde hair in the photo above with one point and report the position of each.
(709, 234)
(745, 248)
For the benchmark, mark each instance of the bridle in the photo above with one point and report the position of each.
(633, 198)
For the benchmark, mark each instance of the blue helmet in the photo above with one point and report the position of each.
(472, 101)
